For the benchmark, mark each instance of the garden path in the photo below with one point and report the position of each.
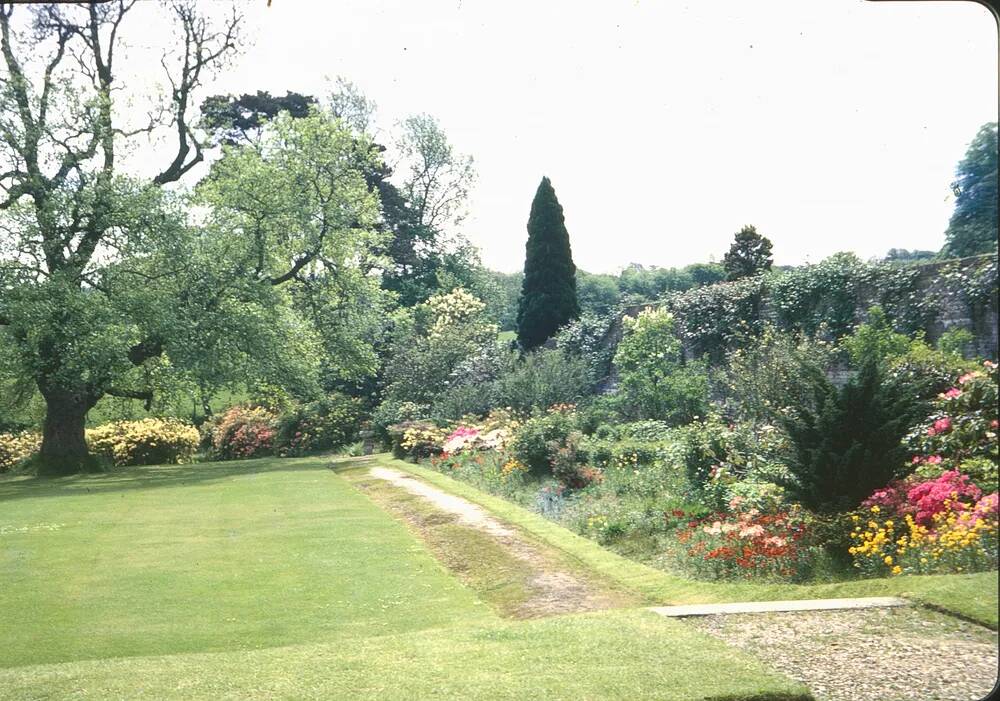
(539, 581)
(875, 654)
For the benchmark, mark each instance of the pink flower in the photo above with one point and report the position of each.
(994, 423)
(966, 377)
(952, 393)
(942, 425)
(916, 460)
(934, 460)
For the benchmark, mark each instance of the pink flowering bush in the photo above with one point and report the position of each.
(961, 433)
(923, 499)
(242, 432)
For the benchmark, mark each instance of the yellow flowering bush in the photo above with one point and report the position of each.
(15, 447)
(955, 540)
(422, 439)
(144, 442)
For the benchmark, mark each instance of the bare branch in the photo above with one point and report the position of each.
(204, 50)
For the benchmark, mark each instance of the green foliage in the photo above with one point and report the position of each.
(537, 440)
(653, 384)
(443, 344)
(875, 340)
(973, 225)
(543, 378)
(586, 338)
(329, 423)
(749, 255)
(761, 380)
(548, 293)
(955, 342)
(716, 319)
(598, 294)
(847, 443)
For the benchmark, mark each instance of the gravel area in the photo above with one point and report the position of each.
(891, 654)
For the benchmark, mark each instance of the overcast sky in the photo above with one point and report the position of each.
(666, 126)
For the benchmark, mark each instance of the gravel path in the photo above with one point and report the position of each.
(468, 513)
(896, 654)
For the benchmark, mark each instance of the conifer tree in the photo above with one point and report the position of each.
(548, 293)
(750, 254)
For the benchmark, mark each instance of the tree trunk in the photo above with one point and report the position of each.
(64, 448)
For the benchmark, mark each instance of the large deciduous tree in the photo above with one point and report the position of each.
(973, 225)
(103, 278)
(548, 293)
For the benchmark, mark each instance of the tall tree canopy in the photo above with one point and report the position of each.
(238, 120)
(749, 255)
(105, 281)
(548, 292)
(973, 225)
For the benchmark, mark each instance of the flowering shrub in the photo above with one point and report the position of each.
(452, 309)
(419, 439)
(963, 428)
(242, 432)
(15, 447)
(496, 472)
(145, 442)
(748, 545)
(956, 538)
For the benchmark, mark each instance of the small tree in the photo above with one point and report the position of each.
(653, 384)
(749, 255)
(847, 443)
(548, 293)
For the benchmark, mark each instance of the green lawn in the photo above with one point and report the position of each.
(276, 579)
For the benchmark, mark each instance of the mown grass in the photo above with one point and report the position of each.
(276, 579)
(624, 655)
(971, 596)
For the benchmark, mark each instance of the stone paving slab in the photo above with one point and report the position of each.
(765, 606)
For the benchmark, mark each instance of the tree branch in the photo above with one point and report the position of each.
(146, 395)
(199, 54)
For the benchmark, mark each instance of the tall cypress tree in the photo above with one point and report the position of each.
(548, 293)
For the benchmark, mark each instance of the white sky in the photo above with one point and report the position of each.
(666, 126)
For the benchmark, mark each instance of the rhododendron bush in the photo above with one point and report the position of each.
(241, 432)
(961, 434)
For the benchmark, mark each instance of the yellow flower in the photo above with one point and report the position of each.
(888, 559)
(875, 509)
(897, 569)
